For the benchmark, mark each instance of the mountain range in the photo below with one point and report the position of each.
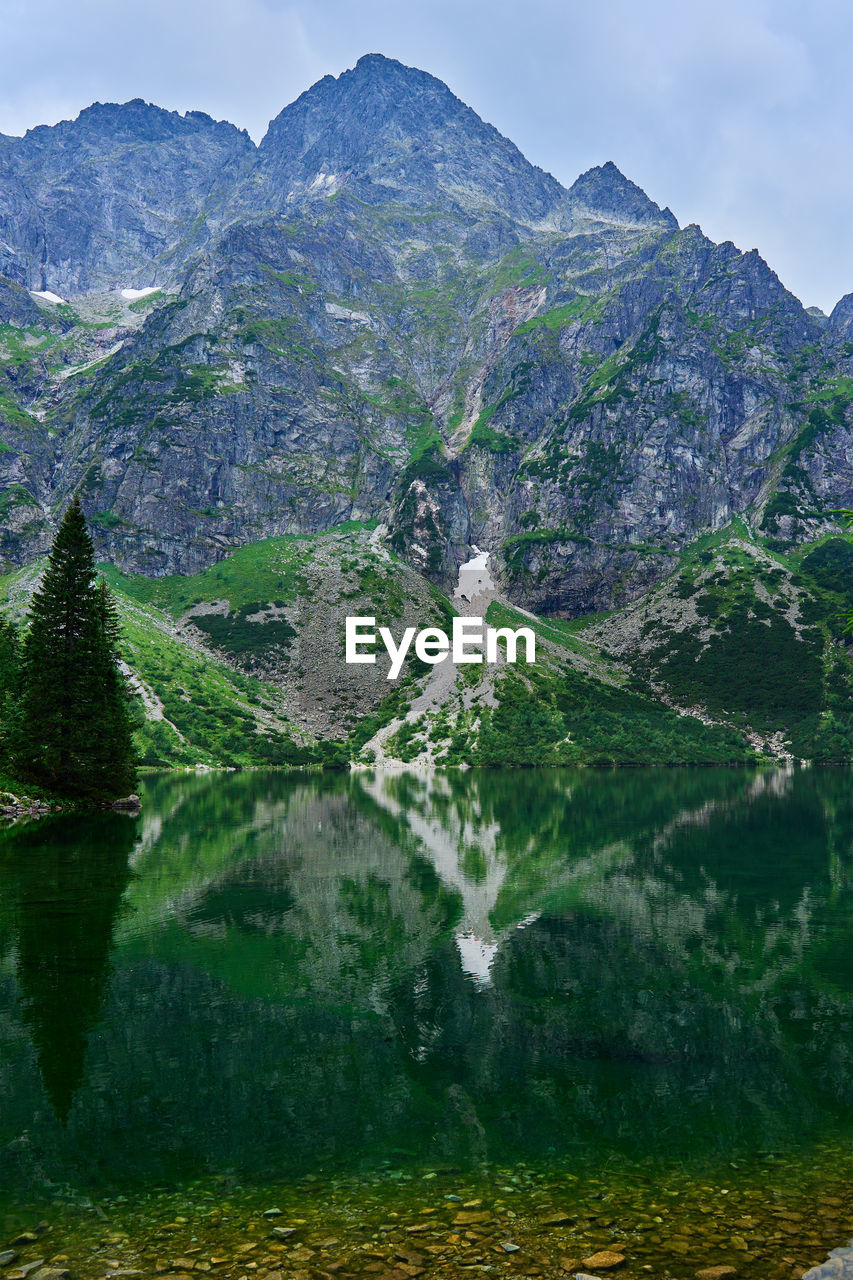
(385, 316)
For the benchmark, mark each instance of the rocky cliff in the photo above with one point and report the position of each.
(385, 312)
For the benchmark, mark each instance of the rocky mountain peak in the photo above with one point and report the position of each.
(393, 132)
(422, 355)
(841, 316)
(94, 202)
(124, 122)
(604, 193)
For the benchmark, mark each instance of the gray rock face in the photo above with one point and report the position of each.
(606, 194)
(386, 312)
(388, 132)
(17, 307)
(641, 416)
(115, 198)
(841, 317)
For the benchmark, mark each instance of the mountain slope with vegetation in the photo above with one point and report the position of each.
(386, 313)
(300, 380)
(741, 654)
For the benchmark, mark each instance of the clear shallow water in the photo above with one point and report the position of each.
(603, 985)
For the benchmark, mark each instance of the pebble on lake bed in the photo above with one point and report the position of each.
(467, 1218)
(26, 1269)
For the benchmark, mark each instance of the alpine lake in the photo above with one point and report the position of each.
(403, 1024)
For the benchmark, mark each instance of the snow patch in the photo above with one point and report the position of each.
(474, 576)
(479, 560)
(130, 295)
(47, 295)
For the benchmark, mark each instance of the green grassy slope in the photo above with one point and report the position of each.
(753, 637)
(741, 653)
(194, 708)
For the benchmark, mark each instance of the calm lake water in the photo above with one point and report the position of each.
(617, 979)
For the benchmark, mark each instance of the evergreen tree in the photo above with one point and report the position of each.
(113, 760)
(9, 680)
(74, 730)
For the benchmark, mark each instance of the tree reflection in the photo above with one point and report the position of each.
(64, 879)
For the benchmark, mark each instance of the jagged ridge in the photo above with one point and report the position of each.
(384, 312)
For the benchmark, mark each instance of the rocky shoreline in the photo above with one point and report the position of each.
(13, 807)
(406, 1227)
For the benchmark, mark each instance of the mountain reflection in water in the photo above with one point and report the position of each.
(270, 973)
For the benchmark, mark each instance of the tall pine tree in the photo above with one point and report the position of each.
(74, 724)
(9, 686)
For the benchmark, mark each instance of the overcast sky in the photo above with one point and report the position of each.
(738, 114)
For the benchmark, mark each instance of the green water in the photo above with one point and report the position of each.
(637, 979)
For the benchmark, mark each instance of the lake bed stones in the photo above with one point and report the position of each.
(559, 1219)
(469, 1217)
(604, 1260)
